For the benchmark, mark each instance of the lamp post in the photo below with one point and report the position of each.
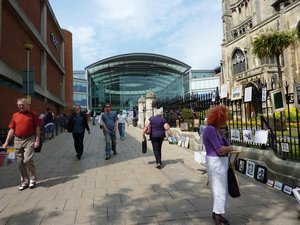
(27, 46)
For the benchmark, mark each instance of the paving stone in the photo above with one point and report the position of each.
(128, 189)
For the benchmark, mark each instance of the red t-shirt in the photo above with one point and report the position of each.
(22, 123)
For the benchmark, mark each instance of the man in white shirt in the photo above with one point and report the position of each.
(122, 119)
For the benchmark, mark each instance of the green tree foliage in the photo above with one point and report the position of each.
(272, 42)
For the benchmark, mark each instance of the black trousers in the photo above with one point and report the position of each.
(156, 145)
(78, 142)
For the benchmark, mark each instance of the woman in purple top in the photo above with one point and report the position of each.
(158, 127)
(217, 148)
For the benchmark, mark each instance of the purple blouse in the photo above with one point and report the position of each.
(213, 142)
(157, 126)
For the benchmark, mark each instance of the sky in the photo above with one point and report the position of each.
(187, 30)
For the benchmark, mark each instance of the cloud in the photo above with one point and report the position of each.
(186, 30)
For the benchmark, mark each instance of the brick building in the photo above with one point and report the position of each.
(49, 61)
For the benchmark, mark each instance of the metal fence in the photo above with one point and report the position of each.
(254, 116)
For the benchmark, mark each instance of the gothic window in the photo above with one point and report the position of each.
(238, 62)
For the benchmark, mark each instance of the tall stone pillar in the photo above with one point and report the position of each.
(142, 110)
(150, 100)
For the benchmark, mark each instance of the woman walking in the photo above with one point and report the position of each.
(158, 126)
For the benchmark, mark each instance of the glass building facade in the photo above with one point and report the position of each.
(80, 89)
(198, 82)
(123, 79)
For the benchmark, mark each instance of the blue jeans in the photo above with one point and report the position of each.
(121, 127)
(110, 139)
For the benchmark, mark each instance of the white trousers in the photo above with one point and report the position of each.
(217, 177)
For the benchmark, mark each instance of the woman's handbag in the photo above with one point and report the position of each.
(233, 186)
(144, 145)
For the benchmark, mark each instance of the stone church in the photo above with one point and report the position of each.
(243, 20)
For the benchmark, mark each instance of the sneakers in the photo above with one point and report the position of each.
(115, 152)
(78, 156)
(32, 184)
(158, 166)
(107, 157)
(22, 187)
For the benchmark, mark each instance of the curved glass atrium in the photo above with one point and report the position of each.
(123, 79)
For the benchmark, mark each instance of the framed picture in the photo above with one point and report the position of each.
(264, 92)
(261, 173)
(285, 147)
(247, 136)
(287, 189)
(278, 100)
(248, 94)
(235, 135)
(296, 192)
(223, 93)
(241, 165)
(236, 93)
(270, 183)
(261, 136)
(297, 95)
(250, 169)
(278, 185)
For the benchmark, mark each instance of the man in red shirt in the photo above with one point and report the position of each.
(25, 126)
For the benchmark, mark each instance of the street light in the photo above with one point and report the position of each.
(27, 46)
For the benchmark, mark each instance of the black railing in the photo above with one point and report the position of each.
(283, 135)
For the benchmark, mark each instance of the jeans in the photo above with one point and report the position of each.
(156, 145)
(110, 139)
(78, 142)
(121, 127)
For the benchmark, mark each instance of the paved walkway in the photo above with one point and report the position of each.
(128, 189)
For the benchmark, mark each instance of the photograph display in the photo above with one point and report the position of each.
(223, 93)
(241, 165)
(264, 94)
(247, 136)
(248, 94)
(278, 185)
(235, 135)
(277, 99)
(285, 147)
(250, 169)
(297, 95)
(261, 174)
(236, 93)
(261, 137)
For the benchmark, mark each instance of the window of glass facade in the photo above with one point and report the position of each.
(80, 86)
(80, 99)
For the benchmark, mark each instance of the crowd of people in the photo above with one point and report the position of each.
(25, 126)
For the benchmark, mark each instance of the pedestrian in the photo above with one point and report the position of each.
(100, 122)
(25, 126)
(200, 131)
(48, 124)
(110, 125)
(77, 124)
(217, 149)
(158, 126)
(93, 114)
(122, 119)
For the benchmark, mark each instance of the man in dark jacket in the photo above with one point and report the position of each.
(77, 125)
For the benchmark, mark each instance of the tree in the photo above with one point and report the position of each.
(271, 43)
